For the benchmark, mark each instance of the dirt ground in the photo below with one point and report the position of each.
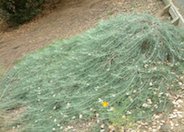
(69, 18)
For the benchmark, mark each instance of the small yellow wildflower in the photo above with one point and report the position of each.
(105, 104)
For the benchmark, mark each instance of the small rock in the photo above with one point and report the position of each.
(102, 126)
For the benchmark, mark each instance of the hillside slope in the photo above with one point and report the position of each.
(67, 19)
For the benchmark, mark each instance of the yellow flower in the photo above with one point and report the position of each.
(105, 104)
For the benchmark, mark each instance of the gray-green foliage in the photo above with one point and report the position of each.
(129, 61)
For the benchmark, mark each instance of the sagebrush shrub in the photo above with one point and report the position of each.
(124, 70)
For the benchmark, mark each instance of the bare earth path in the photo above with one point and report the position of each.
(69, 18)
